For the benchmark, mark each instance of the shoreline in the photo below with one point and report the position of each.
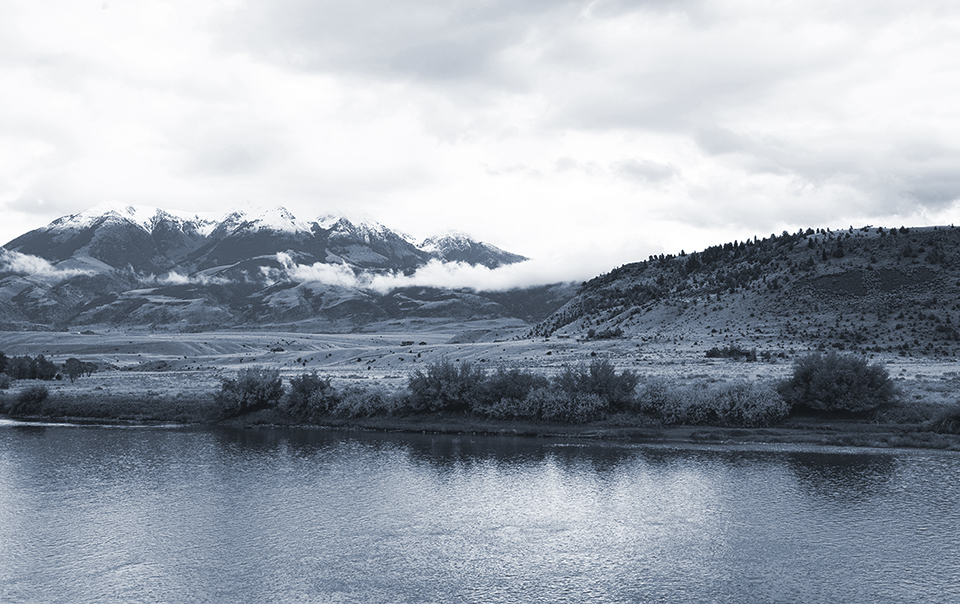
(155, 379)
(845, 433)
(795, 431)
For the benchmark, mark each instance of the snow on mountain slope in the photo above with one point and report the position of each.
(149, 239)
(277, 219)
(137, 265)
(458, 247)
(146, 217)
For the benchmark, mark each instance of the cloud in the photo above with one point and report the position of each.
(507, 118)
(455, 275)
(34, 266)
(175, 278)
(644, 170)
(451, 275)
(434, 42)
(339, 275)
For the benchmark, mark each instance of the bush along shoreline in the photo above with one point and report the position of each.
(588, 398)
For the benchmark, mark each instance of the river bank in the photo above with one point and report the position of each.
(200, 410)
(167, 384)
(810, 431)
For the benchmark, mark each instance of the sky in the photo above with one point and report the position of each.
(583, 134)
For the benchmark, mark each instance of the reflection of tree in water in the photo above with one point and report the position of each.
(449, 453)
(724, 460)
(444, 453)
(843, 477)
(603, 461)
(267, 440)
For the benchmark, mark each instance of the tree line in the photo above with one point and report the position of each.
(39, 367)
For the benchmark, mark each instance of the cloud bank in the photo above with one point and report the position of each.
(451, 275)
(643, 126)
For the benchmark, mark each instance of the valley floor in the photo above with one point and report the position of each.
(170, 374)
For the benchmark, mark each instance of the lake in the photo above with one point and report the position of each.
(173, 514)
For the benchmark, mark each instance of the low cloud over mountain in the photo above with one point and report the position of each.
(33, 266)
(136, 265)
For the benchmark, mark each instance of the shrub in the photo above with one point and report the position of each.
(447, 386)
(29, 401)
(253, 389)
(947, 421)
(604, 334)
(600, 378)
(740, 404)
(549, 403)
(837, 384)
(656, 397)
(512, 383)
(749, 405)
(5, 381)
(356, 401)
(512, 408)
(731, 352)
(575, 408)
(309, 397)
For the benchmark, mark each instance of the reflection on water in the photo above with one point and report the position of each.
(101, 514)
(844, 478)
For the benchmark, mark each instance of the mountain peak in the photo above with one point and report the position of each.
(278, 219)
(147, 239)
(140, 215)
(456, 246)
(447, 241)
(146, 217)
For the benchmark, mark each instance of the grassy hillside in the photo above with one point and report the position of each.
(863, 290)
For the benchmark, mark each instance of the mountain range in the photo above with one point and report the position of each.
(130, 265)
(871, 290)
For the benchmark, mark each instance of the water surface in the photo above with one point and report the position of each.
(119, 514)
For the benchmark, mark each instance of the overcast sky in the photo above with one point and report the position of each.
(584, 134)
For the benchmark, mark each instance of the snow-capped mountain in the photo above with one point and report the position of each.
(142, 265)
(457, 247)
(152, 240)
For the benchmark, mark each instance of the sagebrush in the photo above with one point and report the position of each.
(837, 384)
